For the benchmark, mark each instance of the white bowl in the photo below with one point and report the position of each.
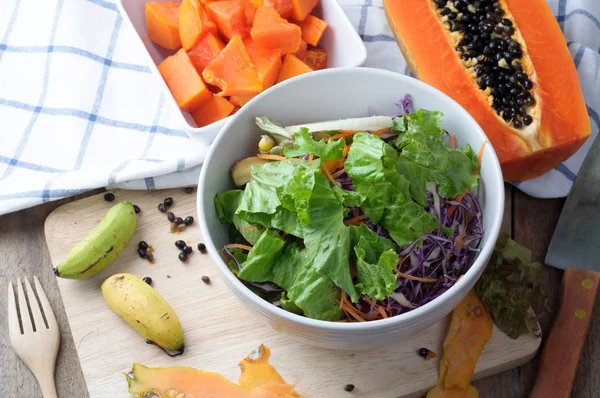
(343, 44)
(328, 95)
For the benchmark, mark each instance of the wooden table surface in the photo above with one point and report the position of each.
(23, 252)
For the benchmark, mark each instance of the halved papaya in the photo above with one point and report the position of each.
(507, 63)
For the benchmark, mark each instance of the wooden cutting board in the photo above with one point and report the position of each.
(218, 331)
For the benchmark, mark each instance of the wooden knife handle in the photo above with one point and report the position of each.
(562, 348)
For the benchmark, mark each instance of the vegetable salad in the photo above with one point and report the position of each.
(363, 221)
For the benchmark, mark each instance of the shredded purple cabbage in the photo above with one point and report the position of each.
(404, 105)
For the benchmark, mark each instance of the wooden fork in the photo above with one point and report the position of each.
(36, 343)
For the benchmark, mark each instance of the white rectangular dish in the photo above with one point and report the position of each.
(343, 44)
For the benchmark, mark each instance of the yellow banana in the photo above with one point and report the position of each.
(101, 246)
(144, 309)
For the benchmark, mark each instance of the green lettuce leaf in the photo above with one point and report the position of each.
(227, 204)
(508, 286)
(371, 164)
(288, 264)
(288, 305)
(305, 144)
(239, 255)
(419, 122)
(258, 267)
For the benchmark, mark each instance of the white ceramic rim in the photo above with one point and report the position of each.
(480, 261)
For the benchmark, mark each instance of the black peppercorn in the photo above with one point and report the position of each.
(187, 249)
(170, 216)
(201, 247)
(162, 208)
(349, 387)
(137, 209)
(182, 256)
(142, 252)
(143, 245)
(148, 280)
(189, 189)
(149, 256)
(168, 201)
(178, 221)
(206, 279)
(189, 220)
(180, 244)
(109, 197)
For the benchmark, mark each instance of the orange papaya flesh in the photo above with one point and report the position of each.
(213, 110)
(283, 7)
(207, 49)
(315, 58)
(162, 24)
(272, 31)
(240, 100)
(266, 61)
(301, 52)
(229, 16)
(232, 71)
(193, 23)
(292, 67)
(259, 379)
(312, 29)
(183, 81)
(302, 8)
(557, 116)
(249, 11)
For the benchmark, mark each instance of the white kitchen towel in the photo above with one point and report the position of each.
(79, 109)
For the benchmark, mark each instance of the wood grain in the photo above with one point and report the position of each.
(560, 357)
(218, 330)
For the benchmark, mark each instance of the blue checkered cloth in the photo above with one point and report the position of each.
(79, 109)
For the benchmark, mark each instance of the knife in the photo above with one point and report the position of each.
(575, 247)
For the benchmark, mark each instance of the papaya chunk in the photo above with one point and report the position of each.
(249, 11)
(258, 379)
(207, 49)
(232, 71)
(240, 100)
(283, 7)
(316, 58)
(470, 329)
(292, 67)
(301, 8)
(532, 110)
(193, 23)
(301, 52)
(162, 24)
(213, 110)
(230, 17)
(312, 29)
(183, 80)
(272, 31)
(266, 61)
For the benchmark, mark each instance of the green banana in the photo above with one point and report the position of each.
(101, 246)
(144, 309)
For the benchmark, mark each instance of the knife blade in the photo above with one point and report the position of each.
(575, 247)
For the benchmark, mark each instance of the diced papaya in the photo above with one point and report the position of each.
(229, 16)
(185, 83)
(213, 110)
(292, 67)
(283, 7)
(237, 108)
(312, 29)
(193, 23)
(301, 8)
(207, 49)
(266, 61)
(270, 30)
(301, 52)
(249, 11)
(316, 58)
(162, 24)
(240, 100)
(232, 71)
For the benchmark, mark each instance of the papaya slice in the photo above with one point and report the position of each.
(301, 52)
(266, 61)
(193, 23)
(507, 63)
(315, 58)
(207, 49)
(312, 29)
(183, 80)
(301, 8)
(230, 17)
(283, 7)
(272, 31)
(213, 110)
(292, 67)
(162, 23)
(240, 100)
(258, 379)
(232, 71)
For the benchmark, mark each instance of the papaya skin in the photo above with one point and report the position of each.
(563, 124)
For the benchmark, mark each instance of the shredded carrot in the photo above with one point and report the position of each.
(480, 154)
(270, 157)
(414, 278)
(338, 173)
(382, 311)
(346, 150)
(452, 140)
(328, 174)
(311, 157)
(459, 198)
(342, 134)
(355, 312)
(238, 246)
(249, 227)
(334, 164)
(355, 220)
(355, 212)
(342, 298)
(381, 131)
